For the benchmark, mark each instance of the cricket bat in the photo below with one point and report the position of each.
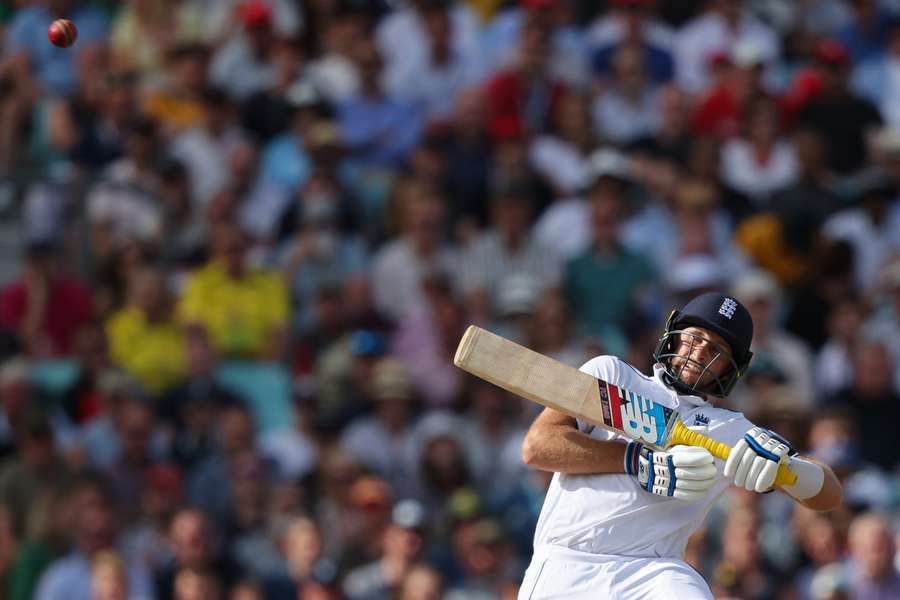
(549, 382)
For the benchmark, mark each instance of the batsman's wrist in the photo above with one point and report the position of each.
(632, 456)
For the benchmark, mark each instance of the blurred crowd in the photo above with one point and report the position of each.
(240, 240)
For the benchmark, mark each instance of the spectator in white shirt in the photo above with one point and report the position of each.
(507, 248)
(629, 109)
(402, 35)
(561, 158)
(878, 78)
(759, 162)
(400, 265)
(240, 66)
(436, 79)
(721, 26)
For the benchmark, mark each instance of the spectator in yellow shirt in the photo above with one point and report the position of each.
(244, 310)
(145, 340)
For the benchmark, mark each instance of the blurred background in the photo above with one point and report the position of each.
(240, 239)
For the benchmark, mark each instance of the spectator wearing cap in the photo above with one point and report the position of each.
(400, 265)
(383, 442)
(240, 65)
(378, 128)
(871, 571)
(505, 249)
(244, 309)
(403, 544)
(759, 292)
(435, 81)
(628, 108)
(723, 24)
(597, 307)
(144, 338)
(631, 23)
(561, 155)
(837, 113)
(45, 306)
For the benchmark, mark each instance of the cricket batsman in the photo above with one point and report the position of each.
(617, 515)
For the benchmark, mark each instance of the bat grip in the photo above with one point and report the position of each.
(683, 435)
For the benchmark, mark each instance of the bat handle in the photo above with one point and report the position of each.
(683, 435)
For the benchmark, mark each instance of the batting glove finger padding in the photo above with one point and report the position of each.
(684, 472)
(753, 462)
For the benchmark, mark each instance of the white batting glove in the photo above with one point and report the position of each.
(684, 472)
(753, 462)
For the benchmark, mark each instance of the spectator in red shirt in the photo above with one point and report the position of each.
(45, 306)
(522, 98)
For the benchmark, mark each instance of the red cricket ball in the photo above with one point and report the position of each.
(62, 33)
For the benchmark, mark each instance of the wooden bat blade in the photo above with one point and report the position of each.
(529, 374)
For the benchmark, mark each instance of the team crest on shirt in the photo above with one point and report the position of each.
(701, 420)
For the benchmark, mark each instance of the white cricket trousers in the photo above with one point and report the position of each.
(557, 572)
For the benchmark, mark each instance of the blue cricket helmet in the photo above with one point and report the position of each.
(721, 314)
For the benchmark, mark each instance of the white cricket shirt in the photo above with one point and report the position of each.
(610, 514)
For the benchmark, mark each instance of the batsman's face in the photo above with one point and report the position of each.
(702, 355)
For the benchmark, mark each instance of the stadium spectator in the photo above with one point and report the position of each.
(628, 109)
(46, 306)
(598, 308)
(872, 572)
(403, 543)
(144, 338)
(244, 309)
(871, 400)
(94, 531)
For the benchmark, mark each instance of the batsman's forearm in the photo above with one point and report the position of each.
(564, 449)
